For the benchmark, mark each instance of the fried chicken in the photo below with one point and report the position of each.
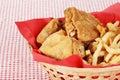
(53, 26)
(57, 45)
(80, 24)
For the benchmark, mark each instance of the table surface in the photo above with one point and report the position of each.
(16, 61)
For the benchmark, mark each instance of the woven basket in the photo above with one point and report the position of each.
(57, 72)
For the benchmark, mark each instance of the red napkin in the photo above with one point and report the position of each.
(110, 14)
(30, 29)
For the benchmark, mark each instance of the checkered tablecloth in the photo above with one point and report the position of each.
(16, 61)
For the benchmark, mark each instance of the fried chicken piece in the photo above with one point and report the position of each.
(57, 45)
(78, 47)
(53, 26)
(60, 46)
(80, 24)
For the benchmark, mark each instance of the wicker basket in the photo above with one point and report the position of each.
(56, 72)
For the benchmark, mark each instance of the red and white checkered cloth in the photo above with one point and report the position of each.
(16, 62)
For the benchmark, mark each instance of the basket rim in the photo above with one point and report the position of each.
(105, 69)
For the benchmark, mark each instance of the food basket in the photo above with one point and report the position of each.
(56, 72)
(29, 29)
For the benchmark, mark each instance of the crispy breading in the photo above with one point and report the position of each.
(78, 47)
(55, 45)
(83, 23)
(51, 27)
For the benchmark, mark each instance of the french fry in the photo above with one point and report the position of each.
(88, 52)
(112, 50)
(96, 54)
(115, 60)
(108, 57)
(88, 56)
(113, 27)
(116, 24)
(102, 53)
(108, 35)
(101, 29)
(115, 42)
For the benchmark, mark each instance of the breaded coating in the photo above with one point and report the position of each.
(57, 45)
(81, 23)
(51, 27)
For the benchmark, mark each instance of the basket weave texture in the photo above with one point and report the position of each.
(56, 72)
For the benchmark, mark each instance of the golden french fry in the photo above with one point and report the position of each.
(115, 60)
(101, 29)
(113, 57)
(110, 41)
(112, 50)
(113, 27)
(96, 54)
(108, 57)
(108, 35)
(88, 56)
(115, 42)
(102, 53)
(88, 52)
(116, 24)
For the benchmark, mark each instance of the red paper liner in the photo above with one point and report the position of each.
(31, 28)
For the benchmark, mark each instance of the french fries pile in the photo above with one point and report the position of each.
(105, 49)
